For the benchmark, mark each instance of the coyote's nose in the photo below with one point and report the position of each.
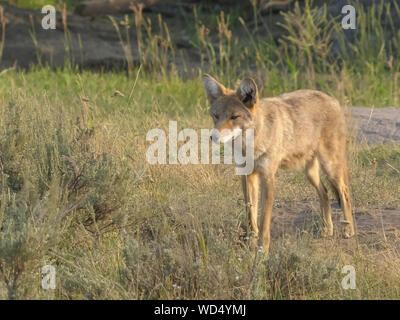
(211, 137)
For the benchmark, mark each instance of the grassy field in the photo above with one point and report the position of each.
(77, 192)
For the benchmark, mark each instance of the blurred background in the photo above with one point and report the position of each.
(224, 37)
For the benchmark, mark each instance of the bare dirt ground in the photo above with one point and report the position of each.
(374, 226)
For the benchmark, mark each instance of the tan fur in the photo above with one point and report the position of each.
(301, 129)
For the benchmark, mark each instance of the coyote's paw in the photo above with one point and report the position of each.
(326, 232)
(252, 239)
(347, 229)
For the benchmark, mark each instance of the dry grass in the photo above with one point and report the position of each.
(171, 231)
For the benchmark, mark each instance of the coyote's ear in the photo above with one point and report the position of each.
(248, 93)
(213, 88)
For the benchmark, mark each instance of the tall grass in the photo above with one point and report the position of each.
(3, 31)
(77, 193)
(360, 67)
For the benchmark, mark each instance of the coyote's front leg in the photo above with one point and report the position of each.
(267, 198)
(251, 191)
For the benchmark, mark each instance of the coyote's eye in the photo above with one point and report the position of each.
(234, 117)
(216, 116)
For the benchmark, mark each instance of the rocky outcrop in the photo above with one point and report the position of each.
(90, 44)
(373, 125)
(94, 43)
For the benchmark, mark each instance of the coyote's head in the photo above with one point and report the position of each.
(232, 111)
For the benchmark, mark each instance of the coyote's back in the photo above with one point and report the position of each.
(300, 125)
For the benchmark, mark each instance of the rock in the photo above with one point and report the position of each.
(92, 44)
(93, 8)
(376, 125)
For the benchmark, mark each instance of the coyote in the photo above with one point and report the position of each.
(301, 129)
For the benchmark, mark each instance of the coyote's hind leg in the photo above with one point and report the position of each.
(313, 175)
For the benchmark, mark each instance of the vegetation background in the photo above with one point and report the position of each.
(77, 193)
